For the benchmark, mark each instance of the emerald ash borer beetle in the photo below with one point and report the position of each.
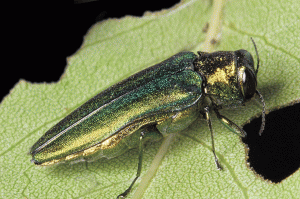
(163, 99)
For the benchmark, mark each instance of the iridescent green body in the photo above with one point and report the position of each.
(163, 99)
(144, 99)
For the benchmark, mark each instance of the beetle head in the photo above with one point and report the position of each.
(229, 78)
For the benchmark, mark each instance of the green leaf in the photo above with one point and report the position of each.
(181, 166)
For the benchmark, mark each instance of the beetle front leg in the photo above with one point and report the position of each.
(146, 133)
(230, 125)
(207, 117)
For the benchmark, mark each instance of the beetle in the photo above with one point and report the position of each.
(163, 99)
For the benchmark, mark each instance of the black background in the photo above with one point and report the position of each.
(41, 35)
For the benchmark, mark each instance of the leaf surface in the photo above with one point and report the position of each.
(181, 166)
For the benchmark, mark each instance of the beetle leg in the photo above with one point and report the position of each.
(230, 125)
(138, 173)
(146, 133)
(207, 117)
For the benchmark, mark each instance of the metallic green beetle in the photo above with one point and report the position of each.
(165, 98)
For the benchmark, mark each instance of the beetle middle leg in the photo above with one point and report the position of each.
(146, 133)
(207, 117)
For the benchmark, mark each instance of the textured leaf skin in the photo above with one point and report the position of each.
(116, 49)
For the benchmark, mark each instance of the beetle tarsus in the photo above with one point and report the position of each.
(219, 166)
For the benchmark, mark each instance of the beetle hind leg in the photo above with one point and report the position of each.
(146, 133)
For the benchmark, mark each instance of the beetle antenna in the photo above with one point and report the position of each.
(256, 71)
(263, 115)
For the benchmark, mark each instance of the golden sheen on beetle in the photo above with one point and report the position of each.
(163, 99)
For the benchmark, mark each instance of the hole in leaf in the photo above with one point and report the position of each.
(276, 154)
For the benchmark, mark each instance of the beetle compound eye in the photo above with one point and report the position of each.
(249, 84)
(244, 77)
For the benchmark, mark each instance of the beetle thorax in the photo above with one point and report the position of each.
(220, 74)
